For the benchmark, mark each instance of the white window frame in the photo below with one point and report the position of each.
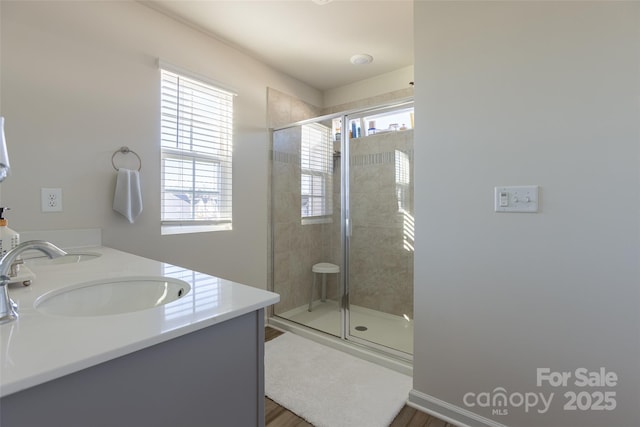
(206, 159)
(316, 166)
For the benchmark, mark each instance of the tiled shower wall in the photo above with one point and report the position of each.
(381, 262)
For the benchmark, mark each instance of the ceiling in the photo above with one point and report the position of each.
(308, 40)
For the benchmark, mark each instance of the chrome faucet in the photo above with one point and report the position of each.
(8, 308)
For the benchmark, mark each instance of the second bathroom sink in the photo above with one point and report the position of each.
(112, 296)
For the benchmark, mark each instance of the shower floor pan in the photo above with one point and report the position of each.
(381, 328)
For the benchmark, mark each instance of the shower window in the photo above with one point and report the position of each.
(316, 171)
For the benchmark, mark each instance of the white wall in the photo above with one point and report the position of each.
(368, 88)
(516, 93)
(79, 80)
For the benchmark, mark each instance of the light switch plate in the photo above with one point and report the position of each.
(516, 199)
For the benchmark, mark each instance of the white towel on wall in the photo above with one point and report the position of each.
(128, 197)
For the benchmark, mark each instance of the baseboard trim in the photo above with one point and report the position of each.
(447, 412)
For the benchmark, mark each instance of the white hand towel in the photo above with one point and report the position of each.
(128, 197)
(4, 156)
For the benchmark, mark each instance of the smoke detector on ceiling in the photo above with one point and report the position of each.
(321, 2)
(361, 59)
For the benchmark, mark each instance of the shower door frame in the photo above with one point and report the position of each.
(345, 230)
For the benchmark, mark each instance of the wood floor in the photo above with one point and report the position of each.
(279, 416)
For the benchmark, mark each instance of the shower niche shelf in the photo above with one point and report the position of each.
(380, 122)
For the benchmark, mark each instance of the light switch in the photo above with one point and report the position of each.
(516, 199)
(504, 199)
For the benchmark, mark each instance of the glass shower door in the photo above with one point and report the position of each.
(306, 225)
(342, 226)
(379, 244)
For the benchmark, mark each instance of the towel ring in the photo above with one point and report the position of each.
(126, 150)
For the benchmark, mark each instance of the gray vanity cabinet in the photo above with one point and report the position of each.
(210, 377)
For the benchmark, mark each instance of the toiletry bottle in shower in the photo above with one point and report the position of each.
(372, 127)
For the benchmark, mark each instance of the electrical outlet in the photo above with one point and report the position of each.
(51, 199)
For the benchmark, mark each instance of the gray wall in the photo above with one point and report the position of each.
(516, 93)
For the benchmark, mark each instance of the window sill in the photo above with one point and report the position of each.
(317, 220)
(187, 229)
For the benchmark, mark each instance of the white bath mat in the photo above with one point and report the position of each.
(329, 388)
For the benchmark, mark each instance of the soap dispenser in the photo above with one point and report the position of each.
(9, 239)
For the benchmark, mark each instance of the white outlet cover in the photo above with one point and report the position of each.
(51, 199)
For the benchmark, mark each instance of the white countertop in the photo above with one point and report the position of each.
(37, 348)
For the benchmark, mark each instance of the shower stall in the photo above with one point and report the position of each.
(342, 226)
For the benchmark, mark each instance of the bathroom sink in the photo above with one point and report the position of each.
(70, 258)
(112, 296)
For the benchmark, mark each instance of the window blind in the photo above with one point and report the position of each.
(316, 164)
(196, 143)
